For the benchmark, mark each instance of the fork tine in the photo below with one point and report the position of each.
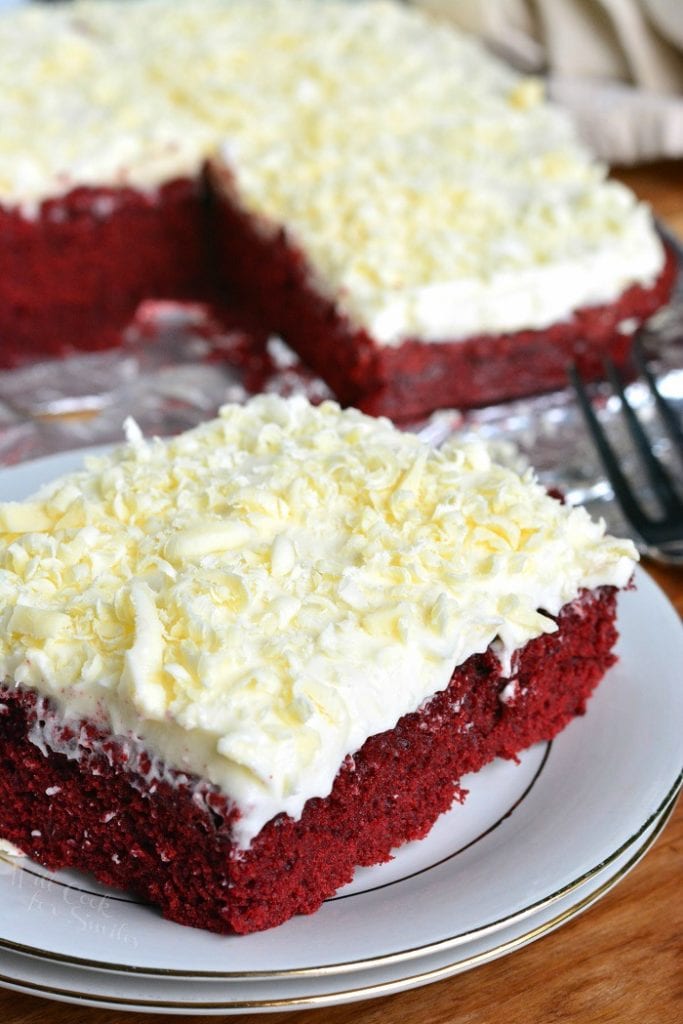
(620, 485)
(658, 476)
(665, 411)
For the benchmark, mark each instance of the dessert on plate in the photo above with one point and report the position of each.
(241, 662)
(411, 215)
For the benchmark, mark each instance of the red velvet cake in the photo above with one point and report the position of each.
(242, 662)
(271, 275)
(417, 222)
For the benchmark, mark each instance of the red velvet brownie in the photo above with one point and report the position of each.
(242, 662)
(418, 223)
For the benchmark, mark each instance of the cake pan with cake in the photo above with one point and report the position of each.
(412, 216)
(240, 663)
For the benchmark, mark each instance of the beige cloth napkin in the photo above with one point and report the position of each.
(617, 64)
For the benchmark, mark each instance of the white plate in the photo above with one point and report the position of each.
(602, 784)
(206, 996)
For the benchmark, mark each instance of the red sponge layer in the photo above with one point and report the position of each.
(168, 838)
(72, 277)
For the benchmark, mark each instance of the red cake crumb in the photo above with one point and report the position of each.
(416, 377)
(72, 277)
(170, 842)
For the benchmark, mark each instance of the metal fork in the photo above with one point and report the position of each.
(661, 534)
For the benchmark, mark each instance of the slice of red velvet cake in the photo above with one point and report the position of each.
(419, 224)
(242, 662)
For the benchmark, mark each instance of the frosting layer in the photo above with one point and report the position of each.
(256, 597)
(434, 193)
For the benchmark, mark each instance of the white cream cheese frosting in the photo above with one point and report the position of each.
(434, 192)
(256, 597)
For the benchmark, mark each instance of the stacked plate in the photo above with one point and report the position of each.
(533, 845)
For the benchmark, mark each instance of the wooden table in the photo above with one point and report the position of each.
(621, 963)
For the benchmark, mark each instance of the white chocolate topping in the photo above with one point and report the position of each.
(256, 597)
(434, 193)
